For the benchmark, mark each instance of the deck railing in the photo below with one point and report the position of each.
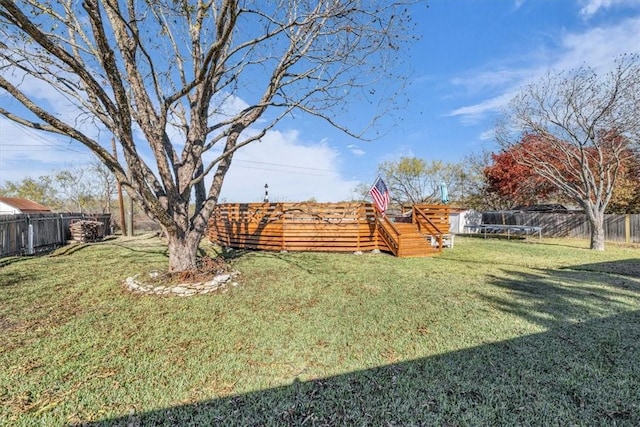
(389, 233)
(333, 227)
(422, 219)
(295, 226)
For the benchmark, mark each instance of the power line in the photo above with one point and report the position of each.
(45, 143)
(279, 167)
(285, 171)
(282, 164)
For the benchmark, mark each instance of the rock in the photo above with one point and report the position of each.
(357, 253)
(221, 278)
(211, 287)
(219, 282)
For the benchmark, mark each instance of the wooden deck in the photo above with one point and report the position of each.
(331, 227)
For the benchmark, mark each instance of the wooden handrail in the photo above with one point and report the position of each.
(393, 243)
(390, 224)
(438, 233)
(423, 215)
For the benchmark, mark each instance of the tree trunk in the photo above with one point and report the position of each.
(597, 237)
(183, 250)
(596, 219)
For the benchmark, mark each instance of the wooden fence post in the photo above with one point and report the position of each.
(627, 228)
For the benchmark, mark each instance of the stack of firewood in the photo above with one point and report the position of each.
(86, 231)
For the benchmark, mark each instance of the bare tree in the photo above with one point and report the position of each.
(360, 192)
(580, 127)
(104, 184)
(191, 82)
(74, 187)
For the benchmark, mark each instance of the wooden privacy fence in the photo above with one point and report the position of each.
(617, 228)
(332, 227)
(27, 234)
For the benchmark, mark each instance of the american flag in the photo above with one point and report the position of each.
(380, 195)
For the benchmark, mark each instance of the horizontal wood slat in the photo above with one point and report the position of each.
(332, 227)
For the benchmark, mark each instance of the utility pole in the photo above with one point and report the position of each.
(119, 189)
(130, 217)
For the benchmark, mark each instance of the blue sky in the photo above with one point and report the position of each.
(472, 58)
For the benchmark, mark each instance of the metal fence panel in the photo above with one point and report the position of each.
(616, 227)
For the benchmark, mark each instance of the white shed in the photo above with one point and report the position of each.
(459, 218)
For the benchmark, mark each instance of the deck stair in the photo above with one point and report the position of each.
(405, 239)
(413, 243)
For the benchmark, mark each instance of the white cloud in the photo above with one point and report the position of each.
(490, 79)
(473, 114)
(591, 7)
(517, 4)
(355, 150)
(26, 152)
(488, 135)
(294, 171)
(62, 105)
(597, 48)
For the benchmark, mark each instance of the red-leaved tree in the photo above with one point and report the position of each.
(586, 127)
(516, 183)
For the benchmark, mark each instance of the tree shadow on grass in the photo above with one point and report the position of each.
(553, 297)
(626, 267)
(70, 249)
(148, 250)
(14, 278)
(575, 374)
(4, 262)
(230, 254)
(584, 370)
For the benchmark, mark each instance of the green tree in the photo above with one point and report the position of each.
(412, 180)
(360, 192)
(41, 190)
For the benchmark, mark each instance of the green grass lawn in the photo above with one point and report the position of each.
(492, 332)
